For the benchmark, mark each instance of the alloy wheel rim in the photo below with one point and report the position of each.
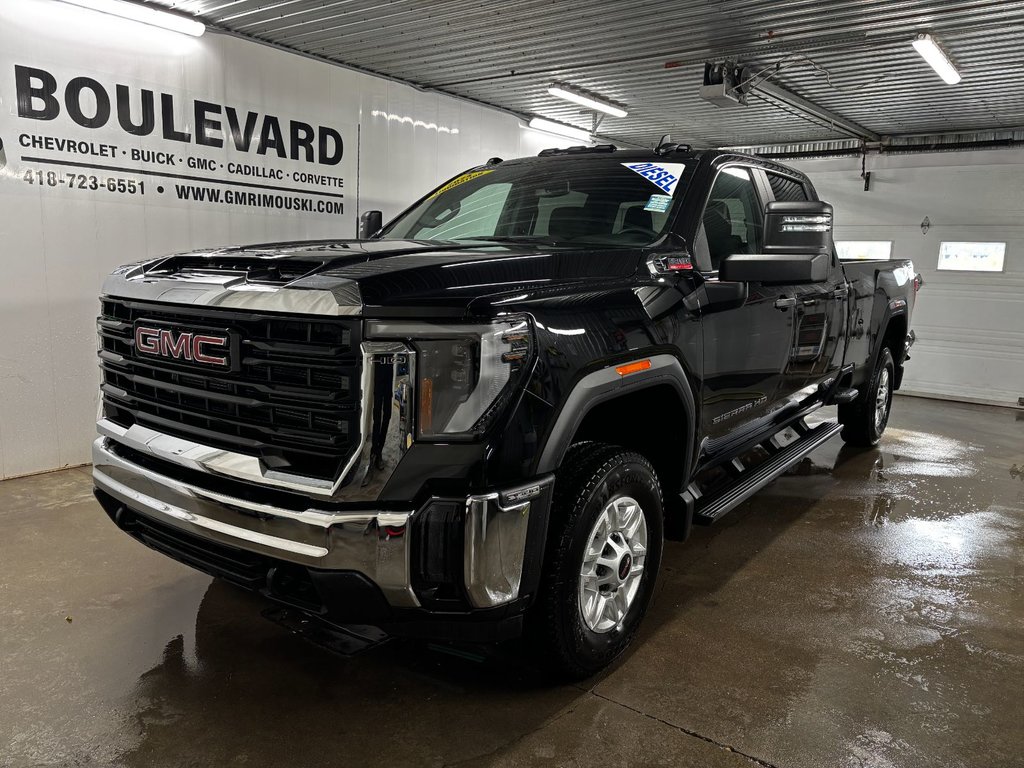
(882, 399)
(613, 564)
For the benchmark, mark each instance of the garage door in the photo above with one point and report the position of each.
(970, 324)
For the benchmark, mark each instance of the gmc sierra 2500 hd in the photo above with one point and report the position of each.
(484, 418)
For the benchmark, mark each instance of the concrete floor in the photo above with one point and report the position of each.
(866, 610)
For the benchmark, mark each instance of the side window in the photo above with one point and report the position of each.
(732, 221)
(787, 190)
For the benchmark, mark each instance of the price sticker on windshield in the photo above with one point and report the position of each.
(665, 176)
(658, 203)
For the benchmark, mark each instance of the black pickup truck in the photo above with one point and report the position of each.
(484, 418)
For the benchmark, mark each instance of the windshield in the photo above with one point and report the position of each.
(572, 201)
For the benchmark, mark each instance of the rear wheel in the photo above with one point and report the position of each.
(864, 420)
(602, 563)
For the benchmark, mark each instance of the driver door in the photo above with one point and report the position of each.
(747, 349)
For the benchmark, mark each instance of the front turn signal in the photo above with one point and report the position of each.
(628, 368)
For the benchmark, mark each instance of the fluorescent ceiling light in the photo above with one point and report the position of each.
(934, 55)
(144, 15)
(559, 129)
(586, 100)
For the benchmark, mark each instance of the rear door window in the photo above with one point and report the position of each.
(786, 189)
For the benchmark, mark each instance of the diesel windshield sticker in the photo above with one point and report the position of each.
(459, 180)
(658, 203)
(665, 176)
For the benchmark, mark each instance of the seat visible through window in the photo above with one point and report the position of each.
(637, 218)
(718, 229)
(568, 222)
(732, 221)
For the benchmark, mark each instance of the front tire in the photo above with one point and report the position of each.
(865, 419)
(602, 563)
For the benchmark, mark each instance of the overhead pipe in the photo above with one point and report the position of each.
(897, 149)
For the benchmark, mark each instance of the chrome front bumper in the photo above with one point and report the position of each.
(376, 544)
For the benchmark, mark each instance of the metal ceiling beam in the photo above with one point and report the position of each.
(800, 104)
(875, 77)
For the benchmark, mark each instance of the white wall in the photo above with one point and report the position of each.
(59, 242)
(970, 326)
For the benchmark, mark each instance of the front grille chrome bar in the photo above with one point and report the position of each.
(386, 429)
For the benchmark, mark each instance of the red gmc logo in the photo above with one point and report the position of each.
(186, 345)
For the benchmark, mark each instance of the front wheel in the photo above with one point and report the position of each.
(864, 420)
(603, 559)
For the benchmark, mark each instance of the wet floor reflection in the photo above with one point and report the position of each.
(865, 609)
(247, 691)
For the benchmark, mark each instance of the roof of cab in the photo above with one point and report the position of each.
(684, 153)
(607, 152)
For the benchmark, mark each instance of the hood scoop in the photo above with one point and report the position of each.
(275, 270)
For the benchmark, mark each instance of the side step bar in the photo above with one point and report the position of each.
(708, 509)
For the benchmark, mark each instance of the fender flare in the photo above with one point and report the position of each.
(606, 384)
(885, 309)
(889, 314)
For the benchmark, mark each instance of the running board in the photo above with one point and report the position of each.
(708, 509)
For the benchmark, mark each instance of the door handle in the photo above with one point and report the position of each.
(785, 302)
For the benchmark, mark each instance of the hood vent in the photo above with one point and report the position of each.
(263, 271)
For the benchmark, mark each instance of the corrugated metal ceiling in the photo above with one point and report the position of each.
(852, 57)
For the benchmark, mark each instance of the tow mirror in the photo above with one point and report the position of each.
(802, 227)
(798, 247)
(775, 268)
(370, 223)
(714, 296)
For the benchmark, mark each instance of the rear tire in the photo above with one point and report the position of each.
(602, 561)
(864, 420)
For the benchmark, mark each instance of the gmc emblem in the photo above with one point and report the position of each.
(186, 346)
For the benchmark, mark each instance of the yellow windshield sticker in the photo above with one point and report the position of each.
(459, 180)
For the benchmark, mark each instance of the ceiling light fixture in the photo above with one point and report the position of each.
(559, 129)
(932, 52)
(585, 99)
(144, 15)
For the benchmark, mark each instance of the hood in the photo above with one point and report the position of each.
(388, 274)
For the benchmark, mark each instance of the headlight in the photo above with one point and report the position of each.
(464, 373)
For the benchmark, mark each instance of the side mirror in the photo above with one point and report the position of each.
(716, 297)
(370, 223)
(803, 227)
(798, 247)
(775, 268)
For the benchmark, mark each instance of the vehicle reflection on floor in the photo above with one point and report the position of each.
(863, 609)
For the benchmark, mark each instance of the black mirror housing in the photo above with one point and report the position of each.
(798, 247)
(370, 223)
(716, 296)
(775, 268)
(798, 227)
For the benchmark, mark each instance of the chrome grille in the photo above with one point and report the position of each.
(292, 398)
